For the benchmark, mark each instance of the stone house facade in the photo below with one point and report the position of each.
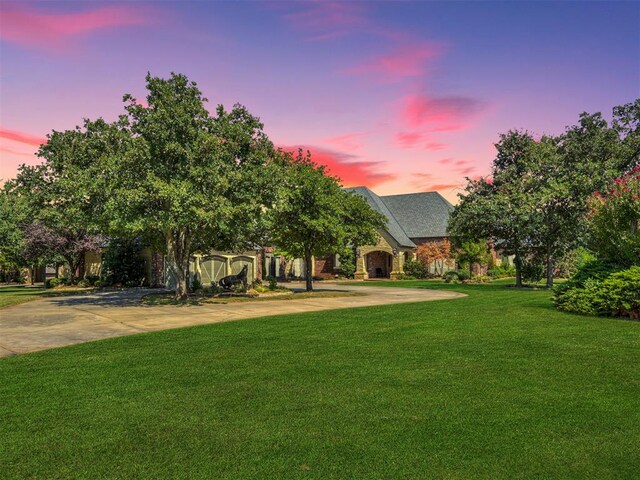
(412, 220)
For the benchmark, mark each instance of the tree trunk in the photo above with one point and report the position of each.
(549, 272)
(74, 264)
(518, 263)
(178, 246)
(470, 269)
(309, 271)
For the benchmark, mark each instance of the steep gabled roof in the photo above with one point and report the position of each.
(412, 215)
(420, 215)
(393, 227)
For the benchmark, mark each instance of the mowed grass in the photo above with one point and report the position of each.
(494, 385)
(15, 295)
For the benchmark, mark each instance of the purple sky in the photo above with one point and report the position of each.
(399, 96)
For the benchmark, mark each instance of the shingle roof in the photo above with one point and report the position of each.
(412, 215)
(393, 227)
(423, 214)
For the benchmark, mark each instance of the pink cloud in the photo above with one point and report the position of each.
(405, 62)
(351, 173)
(40, 28)
(348, 141)
(408, 139)
(325, 20)
(22, 137)
(445, 161)
(435, 146)
(416, 139)
(444, 113)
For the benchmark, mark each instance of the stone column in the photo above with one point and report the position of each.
(397, 265)
(361, 268)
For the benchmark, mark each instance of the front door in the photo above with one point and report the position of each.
(378, 264)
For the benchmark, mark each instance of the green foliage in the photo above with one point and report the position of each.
(480, 279)
(532, 271)
(196, 284)
(273, 282)
(501, 271)
(347, 266)
(404, 276)
(472, 253)
(123, 263)
(615, 220)
(454, 276)
(314, 216)
(621, 294)
(602, 288)
(534, 203)
(52, 283)
(415, 269)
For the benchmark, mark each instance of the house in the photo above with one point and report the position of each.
(412, 220)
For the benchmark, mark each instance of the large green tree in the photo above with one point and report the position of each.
(314, 216)
(500, 209)
(194, 180)
(535, 204)
(62, 195)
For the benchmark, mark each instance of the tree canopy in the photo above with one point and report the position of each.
(534, 203)
(314, 216)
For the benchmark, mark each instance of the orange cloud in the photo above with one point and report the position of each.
(444, 186)
(40, 28)
(22, 137)
(405, 62)
(351, 172)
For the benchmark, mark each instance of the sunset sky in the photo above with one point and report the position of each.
(398, 96)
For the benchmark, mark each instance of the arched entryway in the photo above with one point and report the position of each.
(379, 264)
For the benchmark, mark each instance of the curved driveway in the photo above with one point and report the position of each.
(59, 321)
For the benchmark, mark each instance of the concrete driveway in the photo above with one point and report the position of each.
(59, 321)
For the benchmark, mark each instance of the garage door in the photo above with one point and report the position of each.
(212, 269)
(237, 263)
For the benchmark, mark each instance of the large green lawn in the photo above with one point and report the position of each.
(494, 385)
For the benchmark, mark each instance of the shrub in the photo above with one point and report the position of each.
(259, 288)
(92, 280)
(415, 269)
(273, 282)
(52, 283)
(532, 271)
(123, 263)
(602, 293)
(480, 279)
(347, 266)
(614, 220)
(196, 284)
(404, 276)
(453, 276)
(620, 294)
(502, 271)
